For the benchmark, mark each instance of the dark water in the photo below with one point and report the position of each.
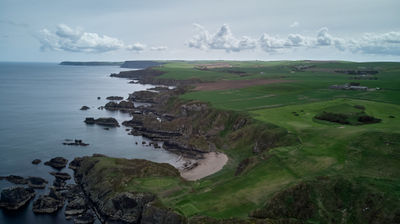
(39, 108)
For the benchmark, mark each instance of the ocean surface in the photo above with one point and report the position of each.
(39, 109)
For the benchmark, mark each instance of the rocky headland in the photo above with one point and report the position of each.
(114, 204)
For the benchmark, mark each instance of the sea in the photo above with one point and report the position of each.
(40, 108)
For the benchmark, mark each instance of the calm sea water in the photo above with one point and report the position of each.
(39, 108)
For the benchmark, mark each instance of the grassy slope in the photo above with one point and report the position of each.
(368, 153)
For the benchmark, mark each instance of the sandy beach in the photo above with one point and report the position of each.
(212, 163)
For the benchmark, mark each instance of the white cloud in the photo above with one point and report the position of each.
(221, 40)
(76, 40)
(380, 44)
(66, 38)
(136, 47)
(386, 43)
(159, 48)
(294, 24)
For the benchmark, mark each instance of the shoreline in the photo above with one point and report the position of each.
(210, 164)
(197, 164)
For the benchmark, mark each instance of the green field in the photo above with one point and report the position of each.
(366, 156)
(370, 153)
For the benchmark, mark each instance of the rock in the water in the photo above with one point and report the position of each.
(75, 207)
(61, 175)
(48, 203)
(59, 184)
(15, 197)
(85, 108)
(36, 161)
(15, 179)
(123, 105)
(115, 98)
(57, 163)
(105, 121)
(98, 98)
(76, 142)
(86, 218)
(37, 182)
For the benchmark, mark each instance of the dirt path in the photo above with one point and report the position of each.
(212, 163)
(236, 84)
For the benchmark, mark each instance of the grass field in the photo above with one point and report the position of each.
(368, 154)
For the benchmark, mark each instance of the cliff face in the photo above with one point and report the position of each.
(104, 181)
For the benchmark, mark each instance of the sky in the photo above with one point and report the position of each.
(119, 30)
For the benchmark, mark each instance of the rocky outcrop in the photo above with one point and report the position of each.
(36, 161)
(15, 179)
(123, 106)
(76, 142)
(160, 88)
(104, 121)
(37, 182)
(74, 164)
(183, 148)
(143, 96)
(15, 197)
(57, 163)
(59, 184)
(121, 206)
(126, 207)
(76, 206)
(60, 175)
(72, 191)
(86, 218)
(48, 203)
(85, 108)
(115, 98)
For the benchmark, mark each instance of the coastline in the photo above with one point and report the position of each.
(210, 164)
(197, 163)
(25, 169)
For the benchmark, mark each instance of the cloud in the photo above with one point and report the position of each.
(159, 48)
(223, 39)
(136, 47)
(294, 24)
(380, 44)
(76, 40)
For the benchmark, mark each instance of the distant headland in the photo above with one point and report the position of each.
(91, 63)
(125, 64)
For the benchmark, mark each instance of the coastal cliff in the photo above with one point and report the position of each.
(110, 186)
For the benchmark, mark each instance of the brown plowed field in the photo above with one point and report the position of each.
(235, 84)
